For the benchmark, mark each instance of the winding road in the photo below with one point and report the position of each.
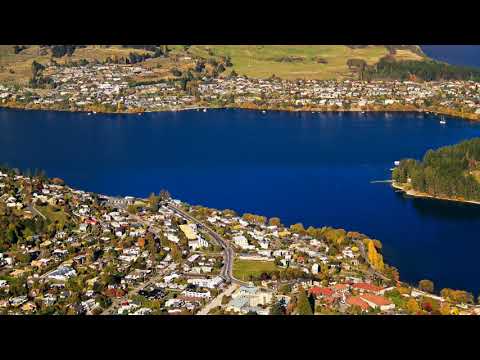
(228, 253)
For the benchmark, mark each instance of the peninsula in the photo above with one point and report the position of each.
(449, 173)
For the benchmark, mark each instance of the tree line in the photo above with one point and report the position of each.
(428, 70)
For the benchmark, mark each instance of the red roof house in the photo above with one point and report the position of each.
(320, 291)
(356, 301)
(366, 287)
(376, 301)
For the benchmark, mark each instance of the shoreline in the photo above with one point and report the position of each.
(420, 195)
(464, 116)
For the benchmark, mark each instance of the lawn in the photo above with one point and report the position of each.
(242, 269)
(52, 215)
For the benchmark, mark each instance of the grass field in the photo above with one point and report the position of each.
(242, 269)
(52, 215)
(262, 61)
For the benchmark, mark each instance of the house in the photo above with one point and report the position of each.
(376, 301)
(194, 293)
(206, 283)
(189, 231)
(340, 288)
(19, 300)
(62, 273)
(363, 287)
(256, 296)
(173, 238)
(238, 304)
(198, 243)
(241, 241)
(357, 301)
(320, 292)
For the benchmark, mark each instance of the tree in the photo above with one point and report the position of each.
(426, 285)
(445, 309)
(132, 209)
(297, 228)
(303, 305)
(164, 195)
(412, 306)
(274, 221)
(226, 299)
(285, 289)
(277, 309)
(176, 254)
(375, 259)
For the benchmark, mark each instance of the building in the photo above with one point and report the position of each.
(62, 273)
(376, 301)
(198, 243)
(206, 283)
(241, 241)
(189, 231)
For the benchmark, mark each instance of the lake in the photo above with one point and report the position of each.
(302, 167)
(468, 55)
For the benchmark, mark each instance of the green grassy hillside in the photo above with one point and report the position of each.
(298, 61)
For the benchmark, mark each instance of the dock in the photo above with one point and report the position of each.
(380, 181)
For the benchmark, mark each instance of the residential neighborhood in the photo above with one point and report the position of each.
(67, 251)
(113, 87)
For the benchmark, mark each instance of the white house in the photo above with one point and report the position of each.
(241, 241)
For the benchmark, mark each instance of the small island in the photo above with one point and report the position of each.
(449, 173)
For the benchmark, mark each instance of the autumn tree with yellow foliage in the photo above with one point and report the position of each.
(375, 259)
(412, 306)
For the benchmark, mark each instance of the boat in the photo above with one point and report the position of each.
(89, 114)
(204, 110)
(94, 112)
(264, 112)
(396, 163)
(442, 121)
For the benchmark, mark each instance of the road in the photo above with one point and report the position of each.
(228, 253)
(226, 272)
(218, 300)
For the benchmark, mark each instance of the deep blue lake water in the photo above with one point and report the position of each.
(303, 167)
(454, 54)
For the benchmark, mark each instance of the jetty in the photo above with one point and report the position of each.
(380, 181)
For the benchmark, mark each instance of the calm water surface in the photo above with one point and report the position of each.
(309, 168)
(468, 55)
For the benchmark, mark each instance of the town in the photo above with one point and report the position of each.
(109, 87)
(67, 251)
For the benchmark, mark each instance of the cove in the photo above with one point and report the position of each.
(302, 167)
